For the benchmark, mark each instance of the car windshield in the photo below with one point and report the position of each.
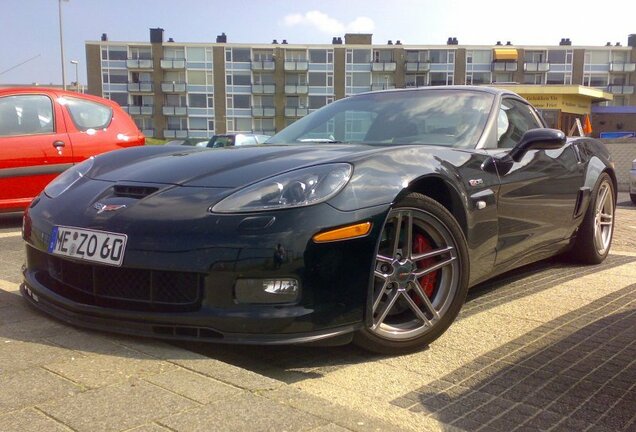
(453, 118)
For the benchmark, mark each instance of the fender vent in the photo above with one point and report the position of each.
(135, 192)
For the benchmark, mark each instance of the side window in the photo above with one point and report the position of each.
(515, 118)
(87, 114)
(26, 115)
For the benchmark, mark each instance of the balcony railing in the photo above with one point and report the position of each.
(139, 64)
(295, 112)
(418, 66)
(141, 87)
(139, 110)
(174, 110)
(173, 87)
(388, 66)
(622, 67)
(175, 133)
(536, 67)
(263, 88)
(621, 89)
(173, 63)
(296, 89)
(506, 66)
(263, 65)
(263, 111)
(296, 66)
(382, 86)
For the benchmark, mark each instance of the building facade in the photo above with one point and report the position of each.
(175, 90)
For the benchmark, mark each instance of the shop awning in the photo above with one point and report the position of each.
(505, 54)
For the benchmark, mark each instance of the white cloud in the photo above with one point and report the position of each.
(326, 24)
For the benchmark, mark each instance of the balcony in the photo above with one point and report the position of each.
(263, 112)
(173, 87)
(263, 88)
(296, 89)
(388, 66)
(263, 65)
(506, 66)
(139, 110)
(296, 66)
(536, 67)
(418, 66)
(622, 67)
(620, 89)
(139, 64)
(175, 133)
(173, 63)
(140, 87)
(295, 112)
(174, 110)
(382, 86)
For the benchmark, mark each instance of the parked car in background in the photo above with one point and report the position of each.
(238, 139)
(198, 142)
(369, 230)
(45, 131)
(632, 182)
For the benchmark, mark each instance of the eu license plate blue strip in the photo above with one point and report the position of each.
(53, 239)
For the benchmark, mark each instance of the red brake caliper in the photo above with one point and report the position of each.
(428, 281)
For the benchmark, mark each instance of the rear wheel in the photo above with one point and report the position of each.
(420, 277)
(594, 237)
(633, 197)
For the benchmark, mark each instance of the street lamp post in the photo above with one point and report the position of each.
(59, 5)
(76, 63)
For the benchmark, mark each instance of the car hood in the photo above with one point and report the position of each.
(220, 168)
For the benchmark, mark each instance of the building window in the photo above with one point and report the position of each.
(238, 55)
(197, 100)
(317, 56)
(241, 101)
(174, 53)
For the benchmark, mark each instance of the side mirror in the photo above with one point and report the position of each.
(537, 139)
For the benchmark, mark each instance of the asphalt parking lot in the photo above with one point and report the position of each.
(550, 347)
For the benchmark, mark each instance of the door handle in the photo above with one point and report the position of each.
(59, 145)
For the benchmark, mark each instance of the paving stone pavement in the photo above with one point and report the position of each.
(550, 347)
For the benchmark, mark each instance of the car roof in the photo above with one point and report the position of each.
(54, 92)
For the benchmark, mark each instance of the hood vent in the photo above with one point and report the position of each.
(135, 192)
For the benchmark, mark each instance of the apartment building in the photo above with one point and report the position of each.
(175, 89)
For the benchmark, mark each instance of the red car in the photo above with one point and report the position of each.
(44, 131)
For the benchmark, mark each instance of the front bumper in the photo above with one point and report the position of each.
(114, 322)
(334, 277)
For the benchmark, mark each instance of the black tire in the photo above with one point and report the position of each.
(420, 282)
(594, 237)
(633, 197)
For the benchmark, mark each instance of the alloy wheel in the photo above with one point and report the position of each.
(416, 275)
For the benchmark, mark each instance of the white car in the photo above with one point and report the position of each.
(632, 182)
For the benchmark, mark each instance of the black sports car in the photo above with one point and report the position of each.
(367, 220)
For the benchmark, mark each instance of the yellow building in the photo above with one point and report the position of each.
(561, 105)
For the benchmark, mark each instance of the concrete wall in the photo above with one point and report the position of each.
(623, 152)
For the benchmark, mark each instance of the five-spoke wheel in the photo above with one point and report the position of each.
(420, 277)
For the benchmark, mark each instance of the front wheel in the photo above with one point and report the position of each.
(420, 277)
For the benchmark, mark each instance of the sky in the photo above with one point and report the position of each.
(29, 29)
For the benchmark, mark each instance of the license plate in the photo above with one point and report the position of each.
(89, 245)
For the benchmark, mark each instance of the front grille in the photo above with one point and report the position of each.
(118, 287)
(135, 192)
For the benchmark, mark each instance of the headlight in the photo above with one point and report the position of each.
(68, 178)
(299, 188)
